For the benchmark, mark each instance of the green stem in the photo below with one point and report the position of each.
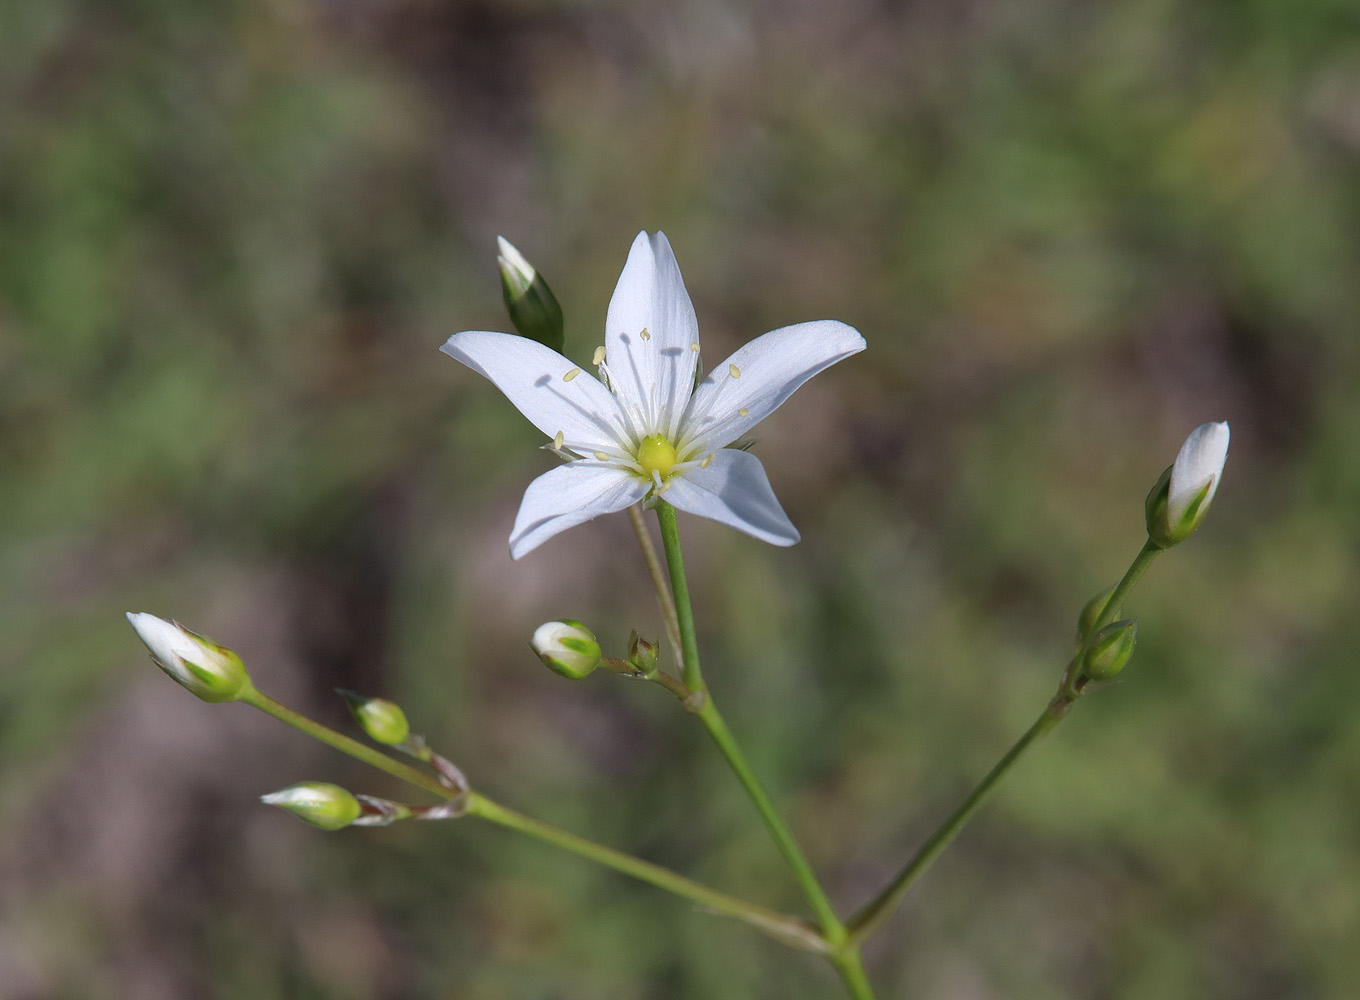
(658, 575)
(851, 967)
(344, 744)
(831, 925)
(1132, 575)
(783, 838)
(684, 612)
(789, 930)
(873, 915)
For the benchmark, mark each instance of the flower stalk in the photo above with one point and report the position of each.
(787, 929)
(727, 744)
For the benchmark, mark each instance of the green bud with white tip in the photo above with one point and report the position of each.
(382, 720)
(317, 802)
(567, 647)
(530, 302)
(1177, 504)
(208, 670)
(1109, 650)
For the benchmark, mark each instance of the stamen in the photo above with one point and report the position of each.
(743, 412)
(734, 370)
(708, 460)
(571, 375)
(602, 456)
(599, 356)
(558, 441)
(694, 348)
(644, 334)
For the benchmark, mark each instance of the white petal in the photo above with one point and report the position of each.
(1200, 461)
(567, 496)
(760, 376)
(539, 382)
(651, 337)
(168, 643)
(735, 491)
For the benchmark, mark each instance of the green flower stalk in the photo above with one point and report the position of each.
(206, 669)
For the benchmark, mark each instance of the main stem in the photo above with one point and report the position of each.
(832, 928)
(789, 930)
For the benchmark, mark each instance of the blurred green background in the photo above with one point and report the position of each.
(232, 236)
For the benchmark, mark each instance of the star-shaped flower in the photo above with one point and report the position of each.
(644, 428)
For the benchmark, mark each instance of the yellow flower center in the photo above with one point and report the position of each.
(656, 454)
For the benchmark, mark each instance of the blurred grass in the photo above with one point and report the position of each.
(233, 236)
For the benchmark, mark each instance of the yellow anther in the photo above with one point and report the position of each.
(743, 412)
(694, 348)
(708, 460)
(656, 455)
(558, 441)
(734, 370)
(602, 456)
(571, 375)
(644, 334)
(598, 359)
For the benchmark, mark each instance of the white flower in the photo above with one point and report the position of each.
(1199, 464)
(644, 428)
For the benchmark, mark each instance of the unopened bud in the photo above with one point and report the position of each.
(1095, 608)
(567, 647)
(208, 670)
(1181, 498)
(642, 653)
(1109, 650)
(318, 803)
(530, 302)
(382, 720)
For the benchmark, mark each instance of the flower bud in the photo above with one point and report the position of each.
(1095, 607)
(382, 720)
(567, 647)
(530, 302)
(318, 803)
(210, 671)
(642, 653)
(1181, 498)
(1109, 649)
